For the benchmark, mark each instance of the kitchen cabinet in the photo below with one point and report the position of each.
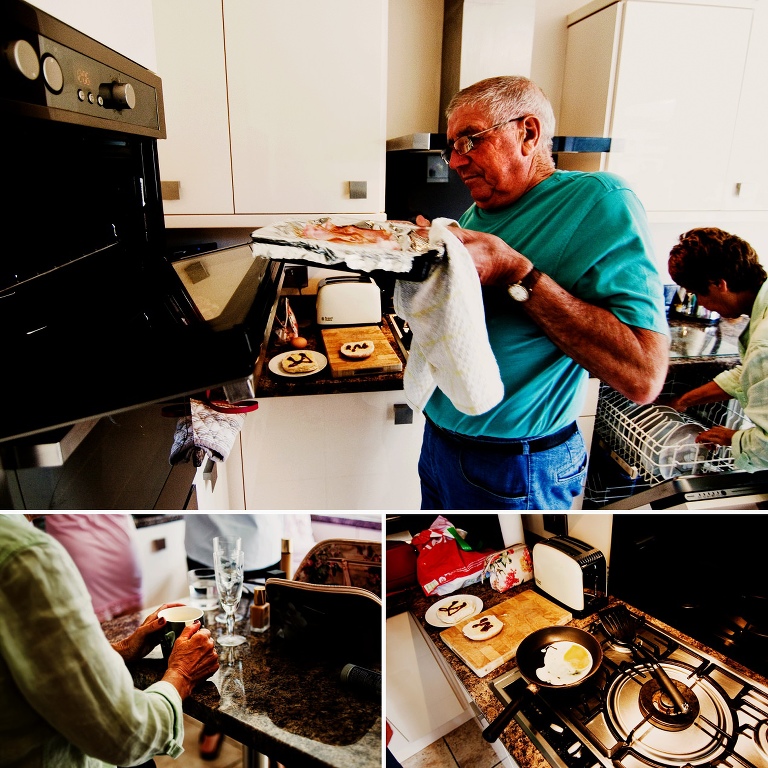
(680, 89)
(163, 560)
(272, 109)
(423, 702)
(339, 451)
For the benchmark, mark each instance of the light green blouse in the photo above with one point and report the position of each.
(66, 696)
(748, 383)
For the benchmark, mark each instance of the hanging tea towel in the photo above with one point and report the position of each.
(205, 433)
(450, 347)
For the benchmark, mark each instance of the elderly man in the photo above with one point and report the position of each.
(725, 273)
(570, 288)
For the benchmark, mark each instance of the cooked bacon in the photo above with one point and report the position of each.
(348, 234)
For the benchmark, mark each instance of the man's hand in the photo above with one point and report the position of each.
(145, 638)
(496, 262)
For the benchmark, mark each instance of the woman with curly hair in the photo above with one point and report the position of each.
(726, 275)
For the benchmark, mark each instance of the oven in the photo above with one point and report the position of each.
(619, 719)
(96, 319)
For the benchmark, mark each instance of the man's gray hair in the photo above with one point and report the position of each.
(507, 97)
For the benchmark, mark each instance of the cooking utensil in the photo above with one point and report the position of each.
(622, 626)
(530, 657)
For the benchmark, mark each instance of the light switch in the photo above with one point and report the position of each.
(358, 190)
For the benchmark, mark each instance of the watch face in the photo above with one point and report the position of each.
(518, 292)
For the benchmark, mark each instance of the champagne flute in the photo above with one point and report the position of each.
(228, 543)
(228, 563)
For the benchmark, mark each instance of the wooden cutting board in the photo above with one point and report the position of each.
(383, 360)
(521, 615)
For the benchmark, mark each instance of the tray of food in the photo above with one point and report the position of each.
(342, 242)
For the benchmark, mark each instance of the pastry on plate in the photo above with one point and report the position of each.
(455, 610)
(482, 629)
(298, 362)
(357, 349)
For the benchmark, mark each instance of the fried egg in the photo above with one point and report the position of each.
(565, 663)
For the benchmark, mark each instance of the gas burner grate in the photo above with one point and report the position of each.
(615, 721)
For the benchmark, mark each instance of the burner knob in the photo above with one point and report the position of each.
(23, 58)
(117, 95)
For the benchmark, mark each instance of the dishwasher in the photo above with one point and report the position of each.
(639, 462)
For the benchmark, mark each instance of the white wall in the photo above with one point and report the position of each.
(128, 28)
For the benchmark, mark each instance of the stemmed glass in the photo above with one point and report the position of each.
(228, 562)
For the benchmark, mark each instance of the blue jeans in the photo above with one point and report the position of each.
(481, 474)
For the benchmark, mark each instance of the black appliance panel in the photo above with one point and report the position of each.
(95, 319)
(419, 182)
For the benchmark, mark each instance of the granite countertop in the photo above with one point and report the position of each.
(271, 385)
(285, 705)
(514, 738)
(694, 342)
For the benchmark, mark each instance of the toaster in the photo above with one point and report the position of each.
(572, 573)
(348, 300)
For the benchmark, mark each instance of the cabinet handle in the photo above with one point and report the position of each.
(403, 413)
(158, 545)
(170, 190)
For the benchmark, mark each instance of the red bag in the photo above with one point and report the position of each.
(442, 566)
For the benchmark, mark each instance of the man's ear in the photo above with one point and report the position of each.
(532, 134)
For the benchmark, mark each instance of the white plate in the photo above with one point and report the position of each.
(433, 617)
(276, 368)
(680, 453)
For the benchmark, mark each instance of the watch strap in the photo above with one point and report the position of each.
(530, 280)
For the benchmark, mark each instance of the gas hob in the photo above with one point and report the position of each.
(620, 719)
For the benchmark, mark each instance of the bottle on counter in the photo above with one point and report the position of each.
(259, 610)
(285, 558)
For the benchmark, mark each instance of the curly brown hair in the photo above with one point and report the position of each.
(707, 254)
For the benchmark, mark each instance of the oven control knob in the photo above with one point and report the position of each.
(118, 95)
(23, 58)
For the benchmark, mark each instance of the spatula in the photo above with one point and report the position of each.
(621, 625)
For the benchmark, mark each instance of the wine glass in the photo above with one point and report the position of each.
(228, 562)
(230, 542)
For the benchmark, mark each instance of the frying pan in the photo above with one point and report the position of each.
(530, 657)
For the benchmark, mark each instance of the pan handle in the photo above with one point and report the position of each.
(494, 730)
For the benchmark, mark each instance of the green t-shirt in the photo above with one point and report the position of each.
(589, 233)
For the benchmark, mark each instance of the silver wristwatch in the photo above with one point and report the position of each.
(521, 291)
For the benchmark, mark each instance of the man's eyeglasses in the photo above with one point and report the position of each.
(464, 144)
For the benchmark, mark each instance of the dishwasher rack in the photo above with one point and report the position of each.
(645, 461)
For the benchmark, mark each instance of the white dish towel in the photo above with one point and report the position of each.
(450, 346)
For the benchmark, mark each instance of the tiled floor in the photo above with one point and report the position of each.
(231, 755)
(461, 748)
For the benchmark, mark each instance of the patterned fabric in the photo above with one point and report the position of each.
(205, 433)
(347, 562)
(510, 567)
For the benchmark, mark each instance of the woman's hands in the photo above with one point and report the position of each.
(716, 436)
(192, 660)
(145, 638)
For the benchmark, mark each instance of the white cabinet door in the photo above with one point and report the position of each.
(307, 103)
(163, 561)
(663, 80)
(272, 108)
(190, 62)
(331, 452)
(422, 703)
